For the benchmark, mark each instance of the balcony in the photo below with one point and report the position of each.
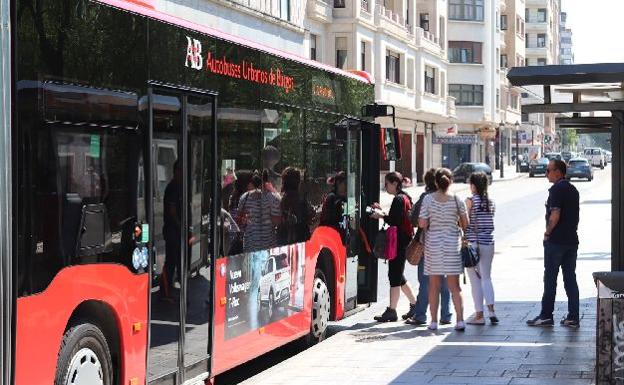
(428, 41)
(534, 49)
(391, 21)
(319, 10)
(540, 3)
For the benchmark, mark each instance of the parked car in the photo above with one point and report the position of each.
(553, 156)
(608, 156)
(595, 156)
(580, 168)
(567, 156)
(462, 172)
(274, 284)
(538, 167)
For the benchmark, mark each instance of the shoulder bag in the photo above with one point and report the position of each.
(469, 254)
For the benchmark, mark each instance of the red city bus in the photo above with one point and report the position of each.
(177, 201)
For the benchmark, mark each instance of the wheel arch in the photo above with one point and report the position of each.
(104, 317)
(326, 262)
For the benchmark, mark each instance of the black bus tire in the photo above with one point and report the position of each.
(83, 351)
(321, 308)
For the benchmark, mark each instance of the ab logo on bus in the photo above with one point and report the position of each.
(194, 54)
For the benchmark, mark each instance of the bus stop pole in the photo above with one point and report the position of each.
(6, 251)
(617, 213)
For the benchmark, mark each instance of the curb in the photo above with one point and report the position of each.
(521, 176)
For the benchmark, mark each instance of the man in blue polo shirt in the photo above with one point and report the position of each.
(560, 246)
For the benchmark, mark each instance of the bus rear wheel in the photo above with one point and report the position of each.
(84, 358)
(321, 308)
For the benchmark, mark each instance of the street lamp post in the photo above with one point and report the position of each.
(501, 162)
(517, 126)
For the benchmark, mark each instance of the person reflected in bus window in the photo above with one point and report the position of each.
(240, 186)
(270, 157)
(229, 177)
(172, 229)
(233, 232)
(258, 215)
(296, 212)
(333, 205)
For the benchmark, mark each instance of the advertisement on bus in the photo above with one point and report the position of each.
(264, 287)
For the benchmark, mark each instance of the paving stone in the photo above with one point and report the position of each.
(448, 380)
(552, 381)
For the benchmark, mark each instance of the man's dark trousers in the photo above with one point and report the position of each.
(564, 256)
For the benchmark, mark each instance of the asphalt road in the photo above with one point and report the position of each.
(519, 204)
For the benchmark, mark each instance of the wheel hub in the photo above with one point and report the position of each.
(320, 308)
(85, 369)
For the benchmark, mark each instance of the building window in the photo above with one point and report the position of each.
(519, 26)
(430, 80)
(541, 62)
(503, 61)
(363, 56)
(541, 40)
(313, 39)
(393, 67)
(466, 10)
(339, 3)
(527, 14)
(285, 9)
(503, 22)
(515, 102)
(498, 98)
(541, 15)
(424, 21)
(465, 52)
(341, 52)
(467, 94)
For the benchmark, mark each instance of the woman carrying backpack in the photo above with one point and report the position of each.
(480, 234)
(399, 217)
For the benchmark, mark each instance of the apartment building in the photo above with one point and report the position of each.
(278, 24)
(402, 45)
(474, 78)
(542, 48)
(511, 26)
(566, 55)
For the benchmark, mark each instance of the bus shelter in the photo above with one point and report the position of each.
(583, 95)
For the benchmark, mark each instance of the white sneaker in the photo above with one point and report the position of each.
(476, 321)
(433, 326)
(460, 326)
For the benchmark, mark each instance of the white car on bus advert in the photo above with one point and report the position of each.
(274, 284)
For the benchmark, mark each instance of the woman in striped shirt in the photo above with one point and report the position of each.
(480, 233)
(442, 215)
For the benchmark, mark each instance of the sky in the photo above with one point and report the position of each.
(597, 30)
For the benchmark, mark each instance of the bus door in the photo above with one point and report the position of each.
(369, 158)
(181, 296)
(348, 132)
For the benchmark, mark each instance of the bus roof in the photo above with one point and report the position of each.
(146, 10)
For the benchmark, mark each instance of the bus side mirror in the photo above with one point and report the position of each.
(391, 145)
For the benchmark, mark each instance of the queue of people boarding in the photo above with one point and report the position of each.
(458, 237)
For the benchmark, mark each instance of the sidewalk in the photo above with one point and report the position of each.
(415, 190)
(364, 352)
